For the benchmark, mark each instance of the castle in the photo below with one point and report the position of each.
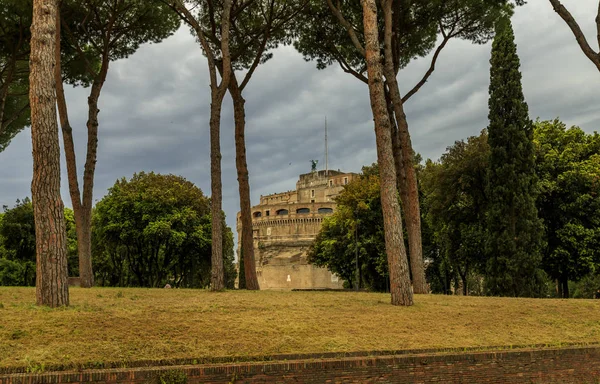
(285, 224)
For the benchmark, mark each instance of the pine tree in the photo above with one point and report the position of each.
(514, 231)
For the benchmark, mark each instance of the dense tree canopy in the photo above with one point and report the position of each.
(156, 229)
(17, 244)
(455, 201)
(15, 19)
(568, 166)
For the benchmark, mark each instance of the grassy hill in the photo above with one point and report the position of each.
(117, 326)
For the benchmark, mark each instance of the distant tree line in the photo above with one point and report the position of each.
(148, 231)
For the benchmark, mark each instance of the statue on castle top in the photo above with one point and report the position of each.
(314, 165)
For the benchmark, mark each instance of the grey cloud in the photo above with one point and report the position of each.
(155, 109)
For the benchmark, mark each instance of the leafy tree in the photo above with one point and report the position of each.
(17, 243)
(153, 230)
(94, 33)
(587, 50)
(15, 19)
(514, 231)
(568, 165)
(331, 32)
(217, 56)
(17, 232)
(454, 190)
(357, 223)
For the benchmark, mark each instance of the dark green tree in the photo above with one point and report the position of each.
(568, 166)
(514, 231)
(17, 244)
(17, 230)
(153, 230)
(15, 19)
(455, 202)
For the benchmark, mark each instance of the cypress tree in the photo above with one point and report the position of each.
(514, 231)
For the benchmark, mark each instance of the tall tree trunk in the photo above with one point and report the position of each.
(82, 210)
(84, 241)
(392, 219)
(217, 281)
(52, 287)
(82, 221)
(217, 92)
(244, 184)
(409, 191)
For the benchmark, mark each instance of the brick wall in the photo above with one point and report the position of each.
(551, 365)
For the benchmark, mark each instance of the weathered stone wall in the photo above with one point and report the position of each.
(281, 220)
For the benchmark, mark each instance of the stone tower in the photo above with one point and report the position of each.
(285, 224)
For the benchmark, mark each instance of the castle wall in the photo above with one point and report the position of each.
(285, 225)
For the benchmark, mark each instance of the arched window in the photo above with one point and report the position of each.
(257, 214)
(303, 210)
(282, 212)
(325, 210)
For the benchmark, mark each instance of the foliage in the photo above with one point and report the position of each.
(455, 203)
(256, 28)
(93, 30)
(568, 165)
(156, 229)
(17, 244)
(515, 233)
(17, 231)
(15, 18)
(358, 212)
(416, 26)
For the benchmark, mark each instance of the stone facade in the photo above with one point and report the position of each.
(285, 224)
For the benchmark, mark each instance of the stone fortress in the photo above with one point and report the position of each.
(285, 224)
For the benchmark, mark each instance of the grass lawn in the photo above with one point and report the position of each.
(118, 325)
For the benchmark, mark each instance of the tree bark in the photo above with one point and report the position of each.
(50, 232)
(401, 293)
(243, 184)
(216, 186)
(409, 191)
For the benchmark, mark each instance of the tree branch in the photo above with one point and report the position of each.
(429, 71)
(348, 26)
(579, 36)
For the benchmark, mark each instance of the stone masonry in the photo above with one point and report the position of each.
(285, 224)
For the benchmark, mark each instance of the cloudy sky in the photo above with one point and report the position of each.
(154, 109)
